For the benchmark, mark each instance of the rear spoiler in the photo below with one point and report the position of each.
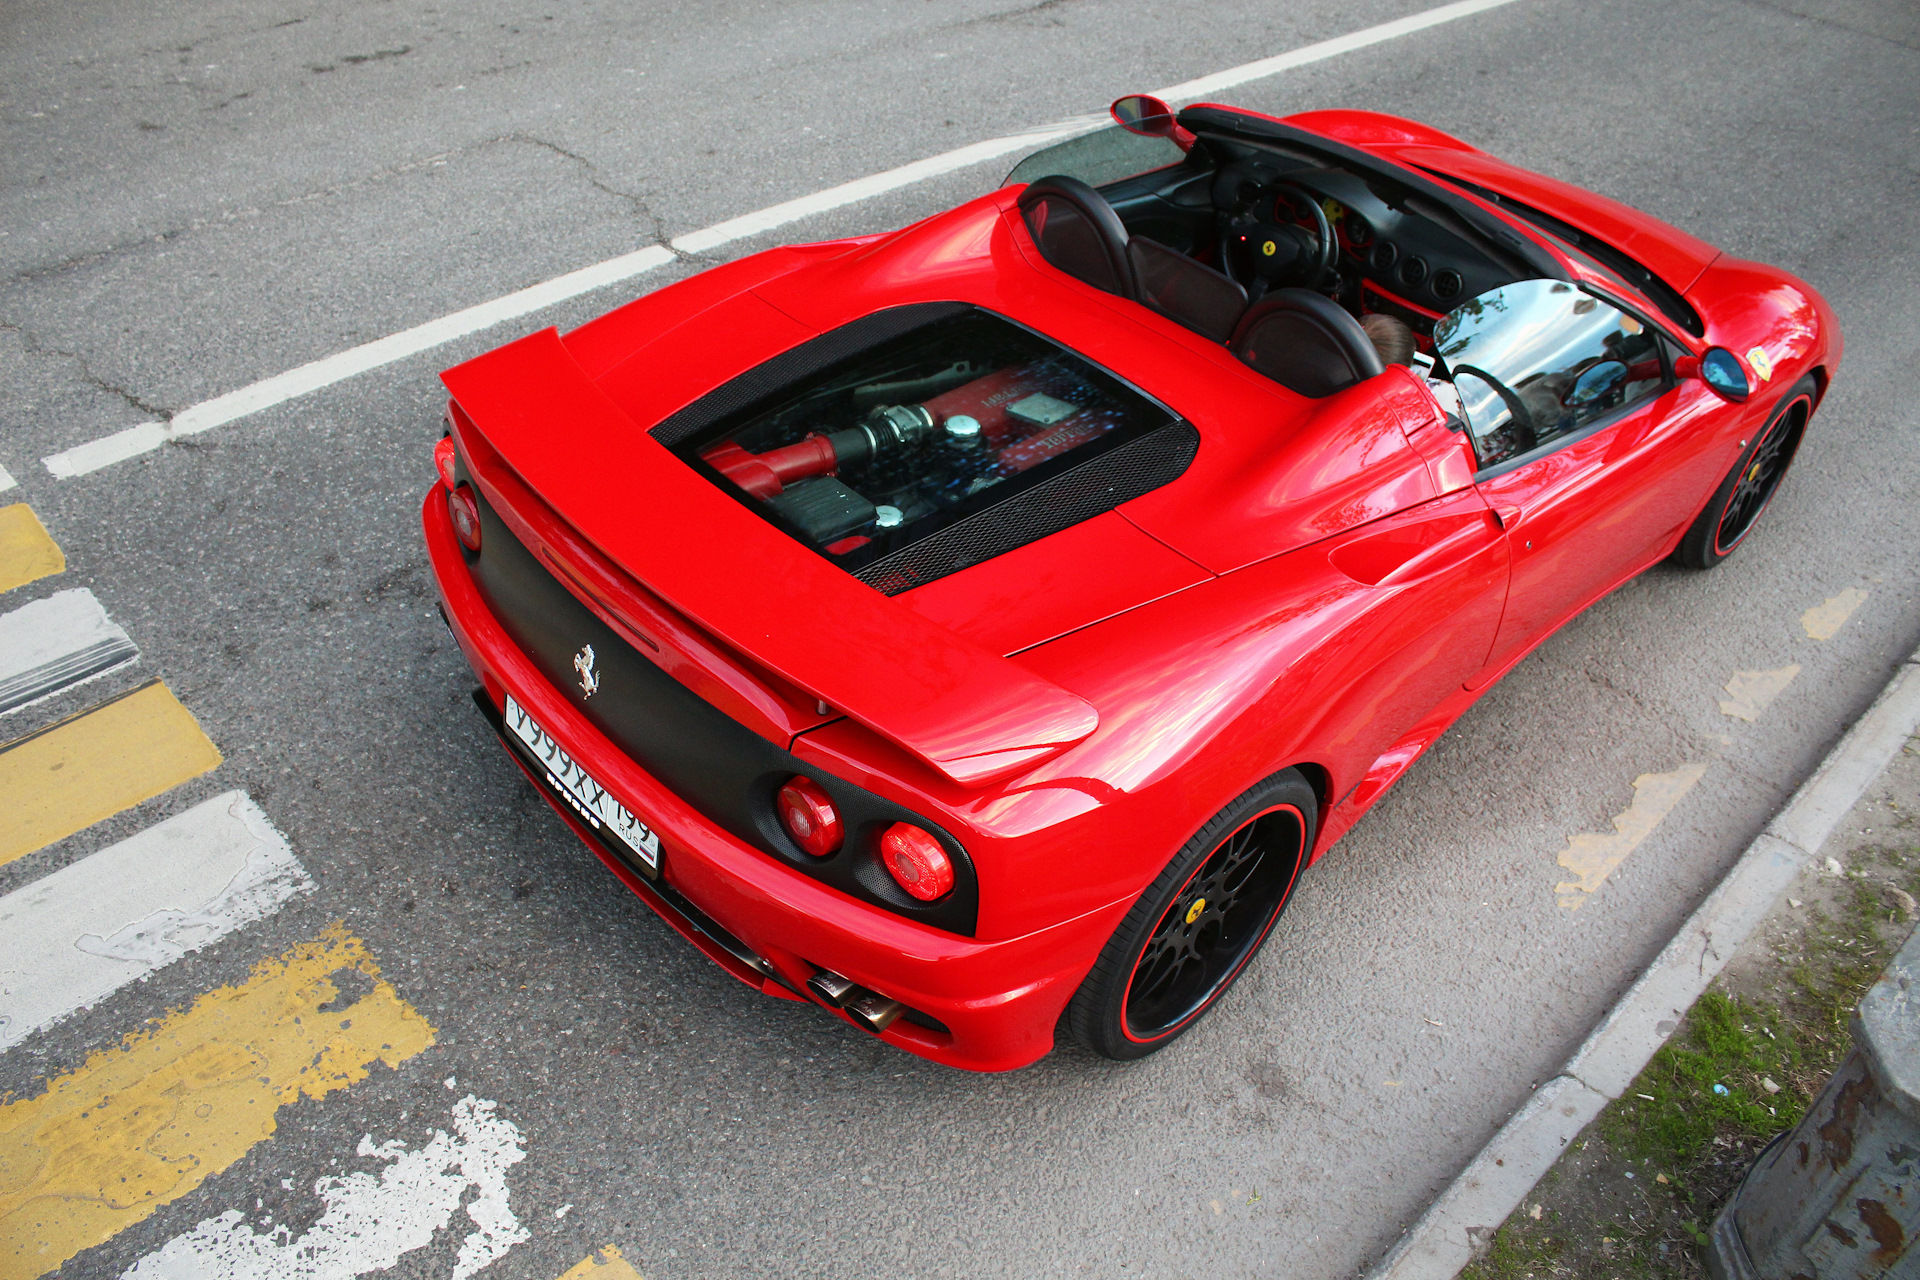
(969, 713)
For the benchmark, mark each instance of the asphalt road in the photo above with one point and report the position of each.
(192, 199)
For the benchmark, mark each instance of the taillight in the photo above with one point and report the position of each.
(916, 860)
(465, 513)
(443, 460)
(807, 812)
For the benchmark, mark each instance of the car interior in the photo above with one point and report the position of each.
(1270, 240)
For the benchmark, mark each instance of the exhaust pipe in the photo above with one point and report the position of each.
(870, 1009)
(833, 988)
(874, 1011)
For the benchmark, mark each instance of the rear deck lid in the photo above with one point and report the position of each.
(969, 713)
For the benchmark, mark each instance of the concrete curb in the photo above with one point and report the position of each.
(1490, 1188)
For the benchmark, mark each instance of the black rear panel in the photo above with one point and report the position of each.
(717, 765)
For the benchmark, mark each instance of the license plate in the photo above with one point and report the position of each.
(591, 800)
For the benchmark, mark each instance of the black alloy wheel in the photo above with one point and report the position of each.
(1750, 486)
(1192, 932)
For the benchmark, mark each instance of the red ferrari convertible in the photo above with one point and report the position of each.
(976, 630)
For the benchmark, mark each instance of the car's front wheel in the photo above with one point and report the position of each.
(1750, 486)
(1192, 932)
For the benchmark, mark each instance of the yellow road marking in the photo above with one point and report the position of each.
(69, 775)
(605, 1264)
(1827, 617)
(1591, 856)
(143, 1124)
(27, 551)
(1754, 691)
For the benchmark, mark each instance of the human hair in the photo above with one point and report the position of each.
(1391, 338)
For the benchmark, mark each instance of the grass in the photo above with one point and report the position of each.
(1636, 1195)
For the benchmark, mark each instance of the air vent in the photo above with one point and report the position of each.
(1413, 271)
(1385, 254)
(1447, 285)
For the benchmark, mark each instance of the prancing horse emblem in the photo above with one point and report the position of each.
(589, 678)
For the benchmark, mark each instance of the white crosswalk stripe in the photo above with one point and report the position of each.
(56, 643)
(85, 931)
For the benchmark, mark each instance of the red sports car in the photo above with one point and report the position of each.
(977, 629)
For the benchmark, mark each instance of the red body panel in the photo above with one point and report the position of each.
(1326, 587)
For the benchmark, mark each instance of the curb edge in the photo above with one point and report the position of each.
(1446, 1237)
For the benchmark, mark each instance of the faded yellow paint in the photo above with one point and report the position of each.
(92, 765)
(1592, 856)
(606, 1264)
(1752, 692)
(142, 1124)
(1826, 618)
(27, 551)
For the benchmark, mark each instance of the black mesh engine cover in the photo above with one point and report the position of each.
(1093, 488)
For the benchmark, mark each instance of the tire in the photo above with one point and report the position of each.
(1194, 930)
(1747, 490)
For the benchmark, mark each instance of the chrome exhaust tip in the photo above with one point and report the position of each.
(833, 988)
(874, 1011)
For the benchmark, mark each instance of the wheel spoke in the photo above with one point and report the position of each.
(1241, 885)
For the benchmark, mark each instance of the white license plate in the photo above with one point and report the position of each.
(591, 800)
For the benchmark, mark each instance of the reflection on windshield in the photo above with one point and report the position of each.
(1539, 359)
(1097, 158)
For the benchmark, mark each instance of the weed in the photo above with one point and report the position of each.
(1516, 1255)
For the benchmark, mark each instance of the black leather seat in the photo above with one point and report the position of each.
(1306, 342)
(1077, 231)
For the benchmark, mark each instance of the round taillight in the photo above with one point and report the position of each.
(465, 513)
(916, 860)
(807, 812)
(443, 460)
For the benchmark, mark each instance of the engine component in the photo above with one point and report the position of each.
(963, 428)
(888, 430)
(1041, 410)
(823, 508)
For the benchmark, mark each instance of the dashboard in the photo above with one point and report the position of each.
(1390, 259)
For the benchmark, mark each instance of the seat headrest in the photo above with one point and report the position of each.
(1306, 342)
(1078, 231)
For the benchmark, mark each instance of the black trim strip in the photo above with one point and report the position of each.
(1672, 303)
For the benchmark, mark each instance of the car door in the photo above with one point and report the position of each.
(1585, 446)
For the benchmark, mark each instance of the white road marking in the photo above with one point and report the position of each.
(369, 1223)
(1752, 692)
(148, 436)
(1825, 619)
(87, 930)
(57, 643)
(6, 480)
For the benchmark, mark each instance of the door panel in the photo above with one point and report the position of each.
(1583, 519)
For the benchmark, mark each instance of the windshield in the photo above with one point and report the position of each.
(920, 431)
(1097, 158)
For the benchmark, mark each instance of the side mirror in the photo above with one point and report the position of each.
(1720, 369)
(1148, 116)
(1144, 114)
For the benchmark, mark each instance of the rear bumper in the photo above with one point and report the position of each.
(999, 999)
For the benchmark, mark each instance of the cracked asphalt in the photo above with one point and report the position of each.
(195, 198)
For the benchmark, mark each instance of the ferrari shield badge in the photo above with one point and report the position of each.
(1761, 364)
(589, 678)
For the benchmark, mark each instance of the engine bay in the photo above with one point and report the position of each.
(919, 432)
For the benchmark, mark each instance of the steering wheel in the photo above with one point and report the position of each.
(1263, 253)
